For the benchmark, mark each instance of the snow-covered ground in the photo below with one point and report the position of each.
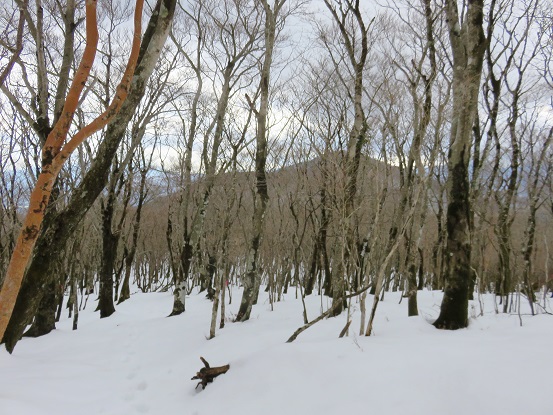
(140, 362)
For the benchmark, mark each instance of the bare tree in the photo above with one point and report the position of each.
(55, 152)
(18, 47)
(143, 164)
(468, 44)
(60, 227)
(274, 18)
(354, 33)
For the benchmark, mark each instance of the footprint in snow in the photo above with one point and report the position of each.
(142, 386)
(142, 408)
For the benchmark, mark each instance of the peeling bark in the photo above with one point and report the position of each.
(61, 227)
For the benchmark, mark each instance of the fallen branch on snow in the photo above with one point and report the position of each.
(325, 314)
(207, 373)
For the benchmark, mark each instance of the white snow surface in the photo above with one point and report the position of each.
(138, 361)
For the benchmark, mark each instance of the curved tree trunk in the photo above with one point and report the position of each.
(57, 230)
(54, 153)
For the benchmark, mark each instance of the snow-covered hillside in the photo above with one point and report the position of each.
(140, 362)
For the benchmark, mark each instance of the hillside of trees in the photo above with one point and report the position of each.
(334, 147)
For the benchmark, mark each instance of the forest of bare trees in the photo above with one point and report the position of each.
(340, 147)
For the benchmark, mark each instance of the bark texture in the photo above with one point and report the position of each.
(54, 153)
(57, 229)
(468, 44)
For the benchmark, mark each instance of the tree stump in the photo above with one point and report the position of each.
(207, 373)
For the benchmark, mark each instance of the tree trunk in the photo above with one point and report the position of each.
(56, 232)
(54, 153)
(45, 318)
(131, 251)
(251, 279)
(357, 54)
(109, 251)
(412, 308)
(534, 193)
(468, 44)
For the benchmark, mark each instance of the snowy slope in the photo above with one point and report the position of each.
(140, 362)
